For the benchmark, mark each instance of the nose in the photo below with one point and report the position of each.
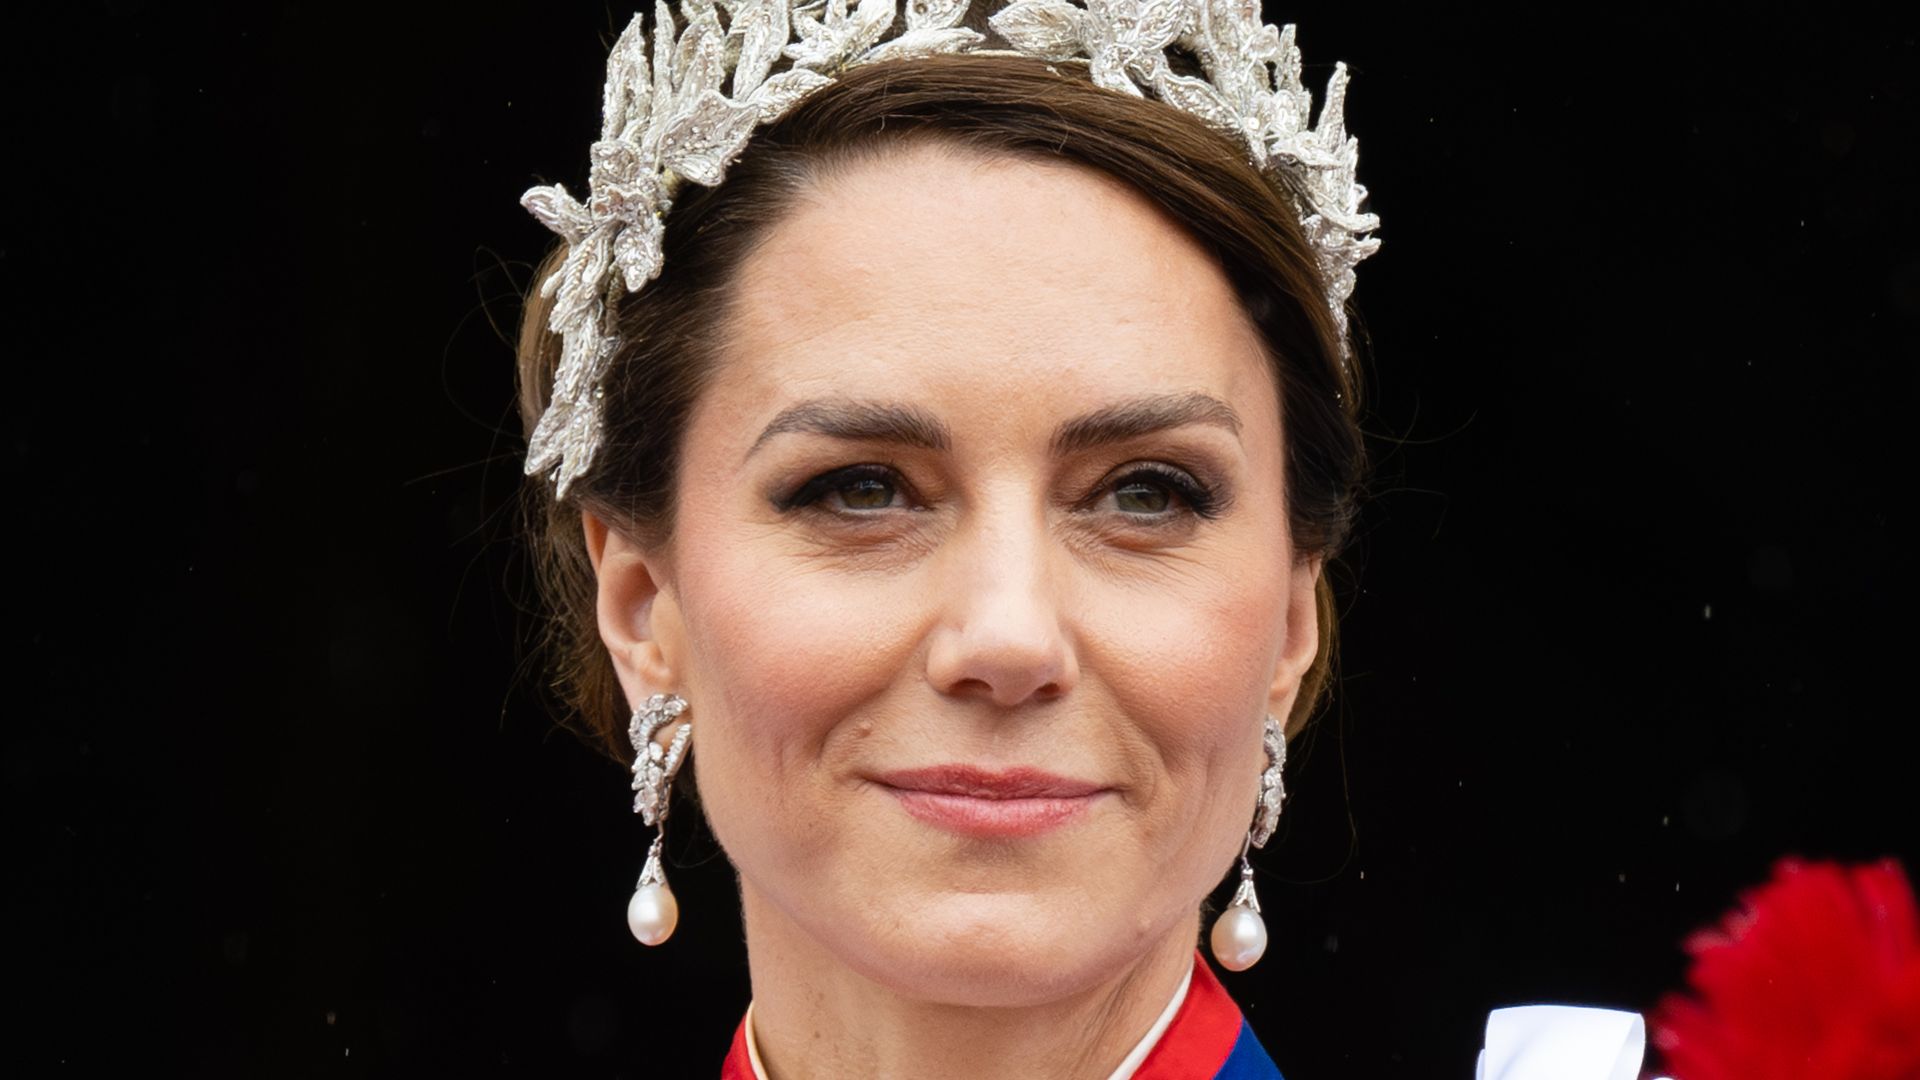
(1002, 635)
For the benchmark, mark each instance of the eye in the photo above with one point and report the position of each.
(1162, 492)
(866, 493)
(854, 490)
(1143, 497)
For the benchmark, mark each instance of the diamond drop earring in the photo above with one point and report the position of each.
(653, 912)
(1239, 935)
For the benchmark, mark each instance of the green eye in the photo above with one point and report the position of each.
(852, 491)
(1155, 493)
(866, 493)
(1135, 497)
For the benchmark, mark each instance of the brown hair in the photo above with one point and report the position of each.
(996, 105)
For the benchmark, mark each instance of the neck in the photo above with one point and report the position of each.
(815, 1017)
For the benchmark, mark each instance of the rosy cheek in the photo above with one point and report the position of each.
(786, 654)
(1194, 661)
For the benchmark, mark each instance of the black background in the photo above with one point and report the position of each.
(1629, 616)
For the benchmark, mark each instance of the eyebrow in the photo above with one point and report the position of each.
(910, 425)
(1142, 416)
(864, 421)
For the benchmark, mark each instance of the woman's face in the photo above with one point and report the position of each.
(981, 585)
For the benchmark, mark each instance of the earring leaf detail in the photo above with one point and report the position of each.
(1239, 936)
(652, 913)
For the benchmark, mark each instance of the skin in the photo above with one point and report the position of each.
(991, 601)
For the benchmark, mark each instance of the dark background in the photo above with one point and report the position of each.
(1628, 618)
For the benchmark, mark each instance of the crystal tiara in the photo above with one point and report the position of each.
(672, 123)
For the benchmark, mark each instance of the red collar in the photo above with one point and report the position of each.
(1193, 1047)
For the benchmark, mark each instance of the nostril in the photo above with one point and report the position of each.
(971, 688)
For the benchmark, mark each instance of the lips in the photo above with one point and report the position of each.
(990, 803)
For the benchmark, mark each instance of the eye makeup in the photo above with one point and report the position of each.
(862, 482)
(1146, 479)
(1150, 492)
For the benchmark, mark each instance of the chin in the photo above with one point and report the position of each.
(1000, 950)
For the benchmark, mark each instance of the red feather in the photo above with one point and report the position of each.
(1815, 977)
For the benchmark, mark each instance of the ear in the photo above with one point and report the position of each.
(639, 620)
(1302, 643)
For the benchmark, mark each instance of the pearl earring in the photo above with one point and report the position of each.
(1239, 935)
(653, 912)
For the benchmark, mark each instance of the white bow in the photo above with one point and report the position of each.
(1562, 1042)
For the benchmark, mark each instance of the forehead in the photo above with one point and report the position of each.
(958, 278)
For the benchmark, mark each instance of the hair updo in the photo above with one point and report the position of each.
(994, 105)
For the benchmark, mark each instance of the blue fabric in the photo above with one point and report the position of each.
(1249, 1060)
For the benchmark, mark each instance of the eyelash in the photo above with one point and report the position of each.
(811, 492)
(1200, 499)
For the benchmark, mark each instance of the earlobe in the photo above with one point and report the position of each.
(1301, 645)
(632, 610)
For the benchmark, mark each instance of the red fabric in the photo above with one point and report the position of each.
(1815, 977)
(738, 1065)
(1193, 1047)
(1202, 1034)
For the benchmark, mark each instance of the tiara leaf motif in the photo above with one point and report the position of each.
(671, 122)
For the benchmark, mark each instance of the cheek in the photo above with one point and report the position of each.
(1194, 661)
(778, 663)
(1189, 665)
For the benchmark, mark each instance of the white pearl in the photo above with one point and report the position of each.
(1239, 938)
(652, 914)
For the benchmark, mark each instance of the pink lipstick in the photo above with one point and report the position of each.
(996, 804)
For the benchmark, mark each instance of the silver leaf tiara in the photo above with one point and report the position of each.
(672, 123)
